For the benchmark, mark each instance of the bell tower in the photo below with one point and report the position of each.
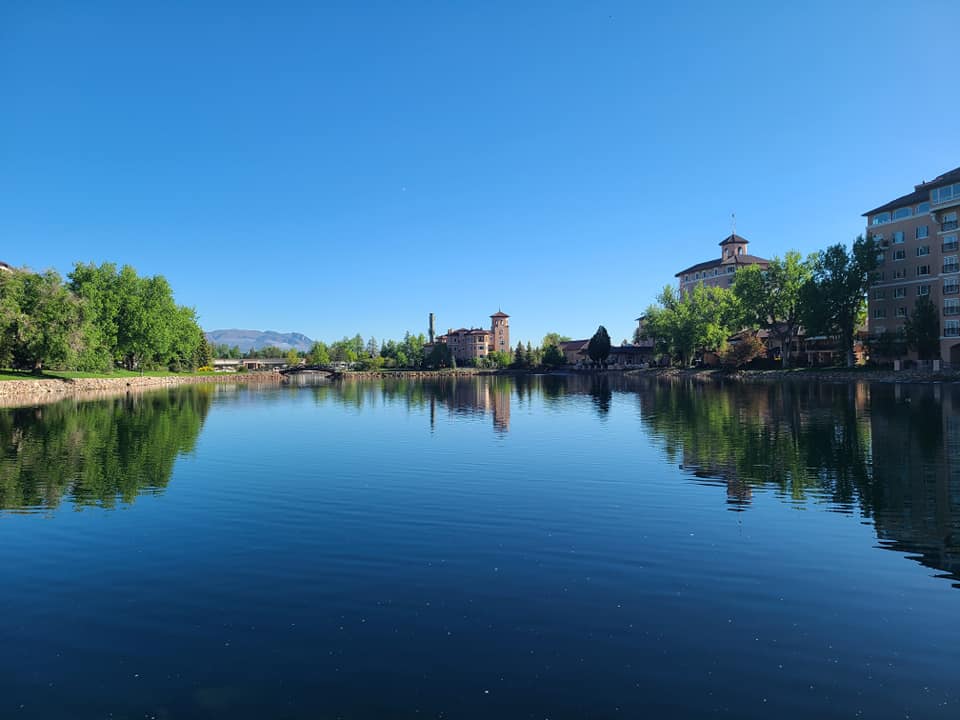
(500, 331)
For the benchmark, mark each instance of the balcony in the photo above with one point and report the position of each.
(948, 225)
(950, 246)
(951, 268)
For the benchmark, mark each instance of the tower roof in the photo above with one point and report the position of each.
(500, 313)
(734, 238)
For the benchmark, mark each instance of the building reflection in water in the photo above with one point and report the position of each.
(473, 396)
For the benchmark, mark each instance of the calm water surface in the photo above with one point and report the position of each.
(489, 548)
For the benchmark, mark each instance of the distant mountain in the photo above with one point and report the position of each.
(259, 339)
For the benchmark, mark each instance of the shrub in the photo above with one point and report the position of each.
(742, 352)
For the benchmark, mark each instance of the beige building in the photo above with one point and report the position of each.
(719, 272)
(917, 234)
(468, 344)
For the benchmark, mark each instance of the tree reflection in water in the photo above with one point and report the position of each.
(97, 452)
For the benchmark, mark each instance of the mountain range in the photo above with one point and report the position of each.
(259, 339)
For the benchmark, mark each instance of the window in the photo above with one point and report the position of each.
(951, 306)
(879, 329)
(950, 264)
(922, 231)
(881, 218)
(923, 290)
(922, 208)
(879, 294)
(899, 254)
(949, 222)
(944, 194)
(923, 270)
(951, 328)
(951, 287)
(731, 269)
(878, 276)
(923, 250)
(899, 292)
(901, 213)
(949, 243)
(898, 237)
(901, 312)
(879, 313)
(899, 274)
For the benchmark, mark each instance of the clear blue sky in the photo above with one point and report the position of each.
(334, 168)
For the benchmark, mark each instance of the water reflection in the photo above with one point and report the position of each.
(889, 452)
(98, 452)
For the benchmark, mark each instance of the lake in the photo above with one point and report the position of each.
(531, 547)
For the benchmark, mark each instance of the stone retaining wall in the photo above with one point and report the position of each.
(14, 393)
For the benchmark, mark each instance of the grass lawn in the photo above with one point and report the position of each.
(71, 374)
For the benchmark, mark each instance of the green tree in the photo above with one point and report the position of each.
(922, 329)
(319, 354)
(40, 321)
(552, 338)
(553, 355)
(499, 358)
(771, 298)
(519, 356)
(599, 347)
(699, 320)
(834, 300)
(888, 345)
(292, 357)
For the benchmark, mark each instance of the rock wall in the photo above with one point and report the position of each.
(17, 393)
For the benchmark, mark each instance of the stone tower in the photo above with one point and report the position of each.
(500, 331)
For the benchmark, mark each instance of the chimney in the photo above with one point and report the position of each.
(431, 329)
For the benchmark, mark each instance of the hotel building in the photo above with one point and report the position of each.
(917, 234)
(471, 343)
(719, 272)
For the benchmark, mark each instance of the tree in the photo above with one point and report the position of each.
(771, 298)
(292, 357)
(40, 321)
(499, 358)
(922, 329)
(699, 320)
(834, 299)
(553, 355)
(518, 356)
(888, 345)
(552, 338)
(319, 354)
(599, 346)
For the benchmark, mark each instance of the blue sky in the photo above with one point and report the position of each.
(333, 168)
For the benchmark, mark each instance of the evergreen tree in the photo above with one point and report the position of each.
(599, 347)
(922, 329)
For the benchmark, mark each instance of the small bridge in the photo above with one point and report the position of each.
(330, 372)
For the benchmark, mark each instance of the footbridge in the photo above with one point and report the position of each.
(327, 370)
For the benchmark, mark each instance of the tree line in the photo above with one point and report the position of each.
(99, 318)
(410, 352)
(825, 294)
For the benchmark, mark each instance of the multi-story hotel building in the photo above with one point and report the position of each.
(917, 234)
(473, 343)
(720, 271)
